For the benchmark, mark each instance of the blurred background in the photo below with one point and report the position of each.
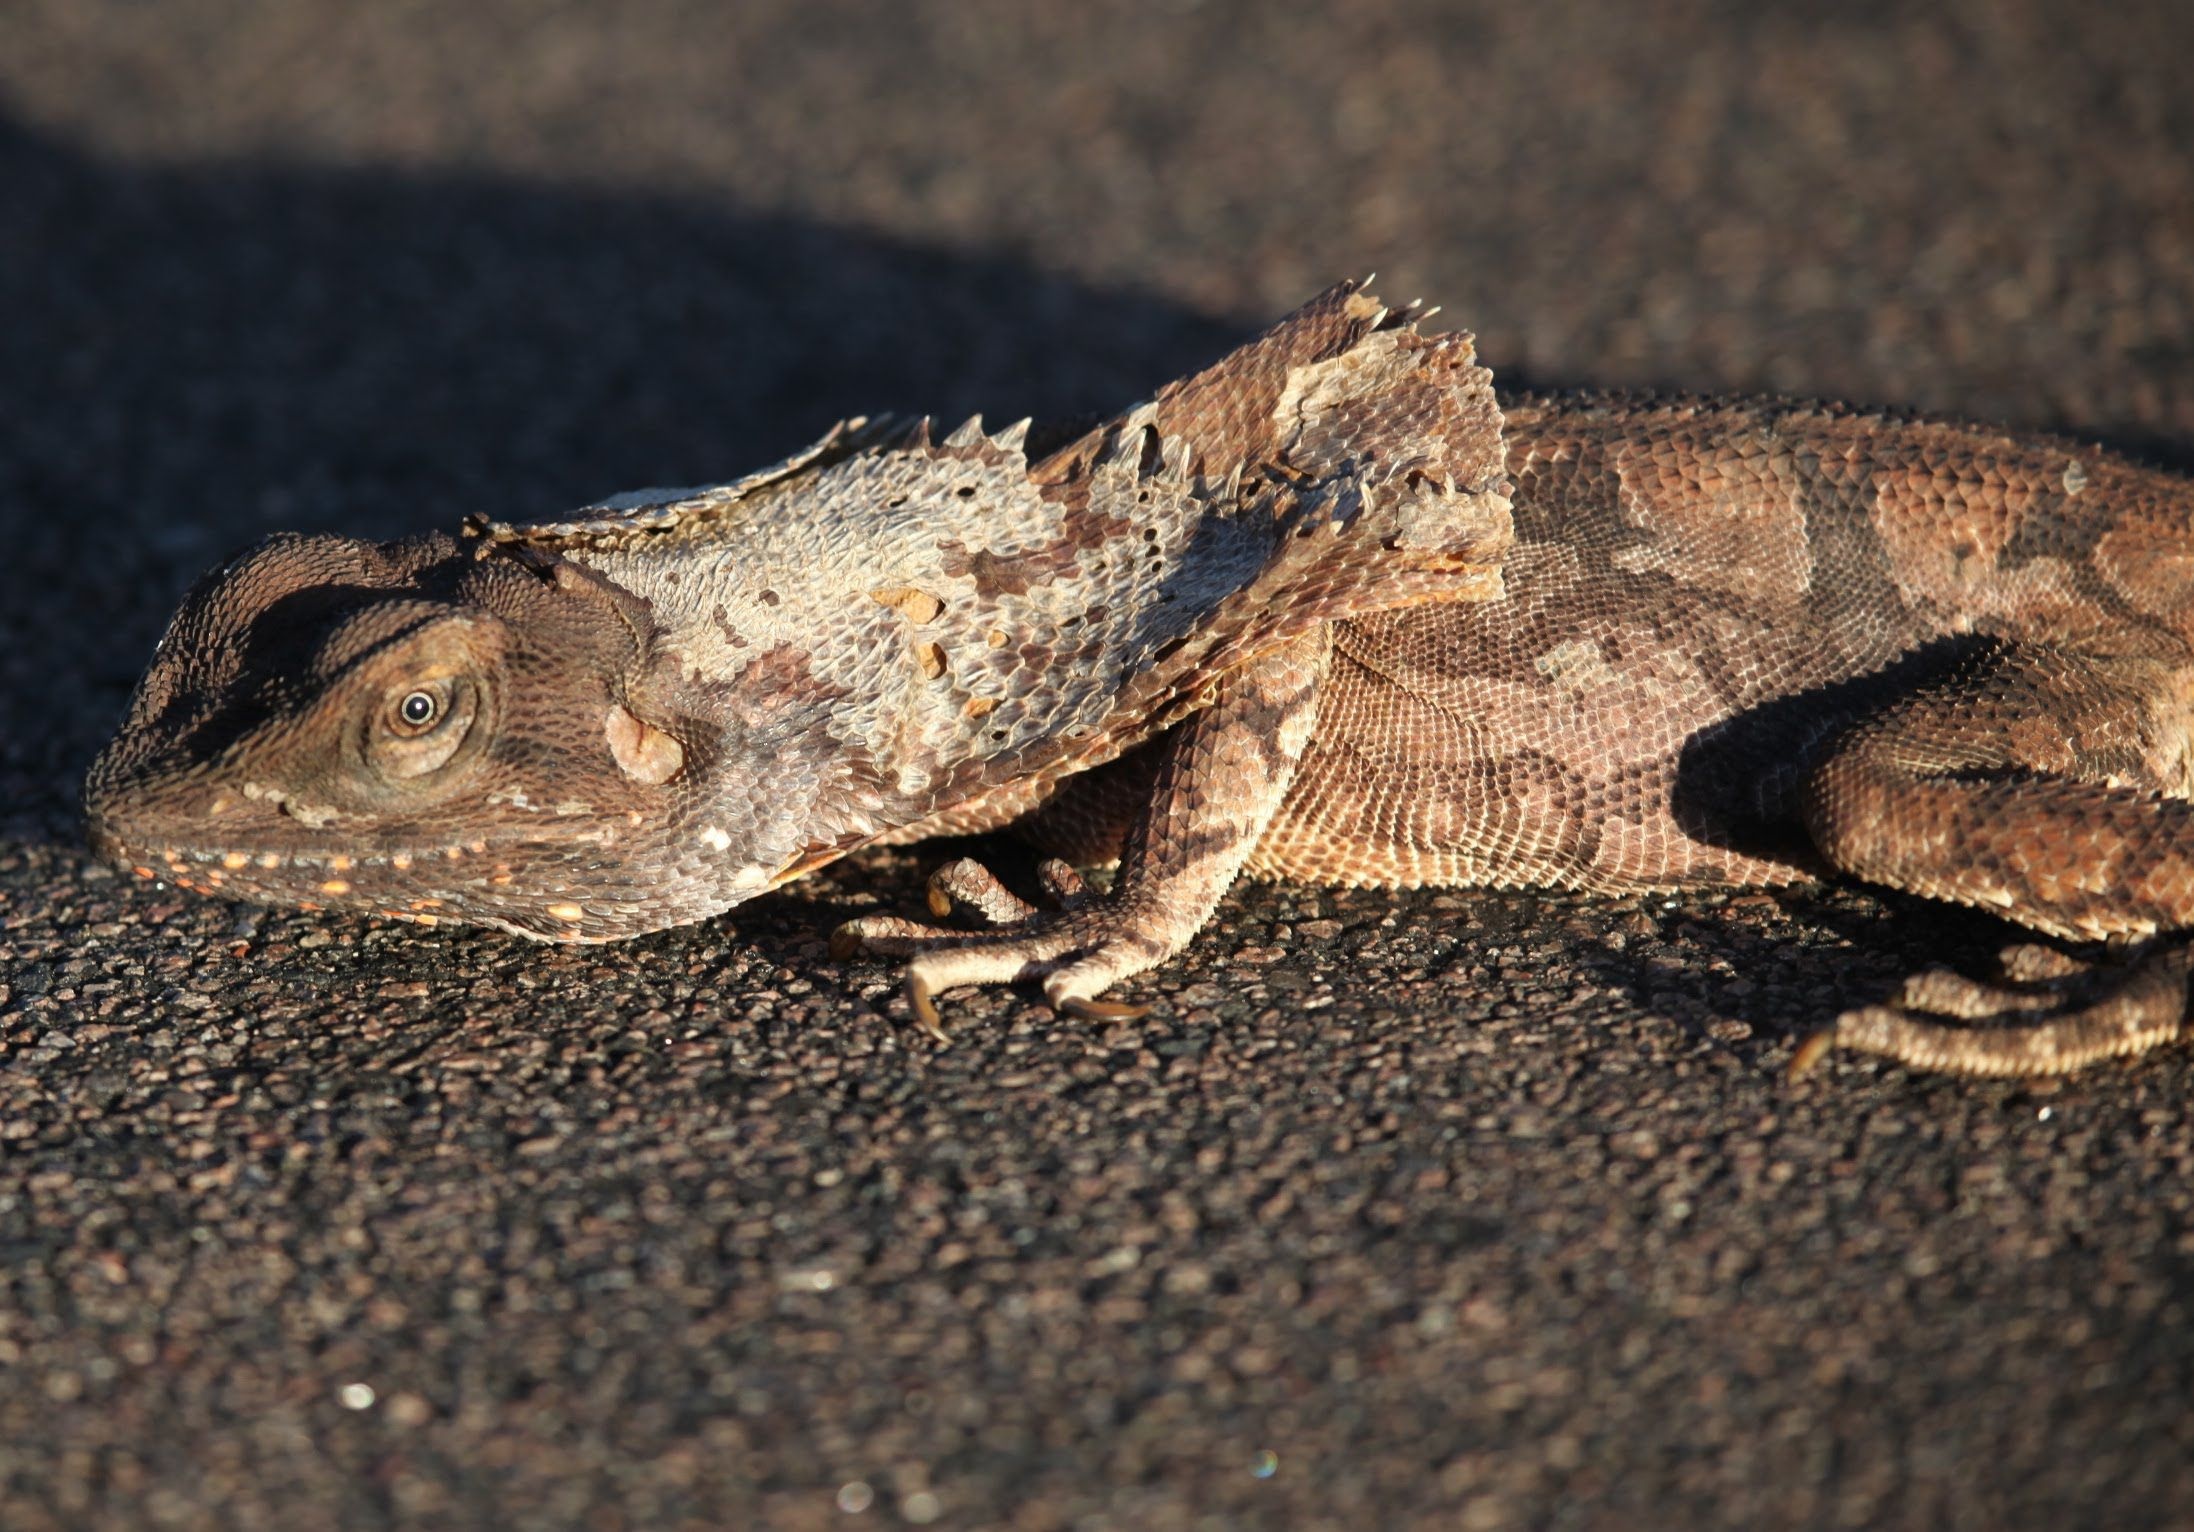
(325, 265)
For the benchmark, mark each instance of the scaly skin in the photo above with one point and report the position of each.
(1323, 611)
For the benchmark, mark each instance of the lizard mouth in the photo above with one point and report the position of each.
(309, 879)
(472, 882)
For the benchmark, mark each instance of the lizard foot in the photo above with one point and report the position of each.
(1078, 949)
(964, 887)
(2058, 1016)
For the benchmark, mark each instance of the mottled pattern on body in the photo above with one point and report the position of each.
(1703, 597)
(1325, 610)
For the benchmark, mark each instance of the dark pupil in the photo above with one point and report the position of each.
(417, 709)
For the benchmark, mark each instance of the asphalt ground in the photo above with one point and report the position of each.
(1436, 1209)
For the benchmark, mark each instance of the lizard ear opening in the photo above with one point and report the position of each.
(642, 751)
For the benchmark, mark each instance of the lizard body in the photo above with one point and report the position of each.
(1324, 611)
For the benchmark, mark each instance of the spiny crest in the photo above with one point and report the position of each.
(1221, 422)
(669, 510)
(966, 441)
(1137, 445)
(645, 513)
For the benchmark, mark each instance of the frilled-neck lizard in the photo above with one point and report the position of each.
(1326, 610)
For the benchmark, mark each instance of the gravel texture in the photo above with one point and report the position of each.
(1434, 1209)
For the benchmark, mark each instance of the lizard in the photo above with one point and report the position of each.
(1330, 609)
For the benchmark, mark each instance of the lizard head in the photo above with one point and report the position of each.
(405, 728)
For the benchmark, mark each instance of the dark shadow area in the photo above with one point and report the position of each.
(1747, 974)
(191, 358)
(1737, 781)
(1787, 966)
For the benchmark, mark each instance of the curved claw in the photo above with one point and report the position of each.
(924, 1007)
(1811, 1052)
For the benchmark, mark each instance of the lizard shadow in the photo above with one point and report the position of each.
(194, 356)
(1759, 971)
(1750, 972)
(1746, 973)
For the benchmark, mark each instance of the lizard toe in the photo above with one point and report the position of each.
(888, 936)
(2036, 963)
(1072, 989)
(1943, 992)
(1077, 955)
(963, 887)
(1063, 886)
(966, 886)
(969, 960)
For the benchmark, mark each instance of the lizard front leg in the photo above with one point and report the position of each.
(1221, 775)
(2037, 784)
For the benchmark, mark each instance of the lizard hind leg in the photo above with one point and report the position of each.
(2047, 787)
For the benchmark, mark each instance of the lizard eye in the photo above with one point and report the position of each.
(418, 709)
(422, 724)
